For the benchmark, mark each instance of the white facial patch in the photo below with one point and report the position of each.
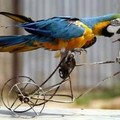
(113, 29)
(115, 22)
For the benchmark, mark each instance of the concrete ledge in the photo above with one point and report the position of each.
(67, 114)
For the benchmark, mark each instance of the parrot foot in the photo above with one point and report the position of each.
(79, 50)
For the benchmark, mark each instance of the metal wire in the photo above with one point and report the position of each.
(65, 67)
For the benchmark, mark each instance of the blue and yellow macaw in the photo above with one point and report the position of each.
(58, 33)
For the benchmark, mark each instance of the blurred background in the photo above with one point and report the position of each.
(40, 63)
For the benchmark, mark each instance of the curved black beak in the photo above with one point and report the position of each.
(118, 32)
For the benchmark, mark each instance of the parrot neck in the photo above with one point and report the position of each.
(92, 21)
(100, 24)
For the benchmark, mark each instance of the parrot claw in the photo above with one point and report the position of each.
(79, 50)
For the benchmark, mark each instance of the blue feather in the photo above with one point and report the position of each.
(94, 20)
(13, 40)
(29, 40)
(57, 27)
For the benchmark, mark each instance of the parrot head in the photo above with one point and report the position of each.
(105, 25)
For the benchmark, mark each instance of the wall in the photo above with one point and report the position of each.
(6, 59)
(39, 64)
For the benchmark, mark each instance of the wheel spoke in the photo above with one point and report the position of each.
(14, 102)
(19, 90)
(14, 110)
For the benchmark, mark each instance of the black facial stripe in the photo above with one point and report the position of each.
(106, 33)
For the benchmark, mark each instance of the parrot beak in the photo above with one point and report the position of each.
(116, 40)
(118, 32)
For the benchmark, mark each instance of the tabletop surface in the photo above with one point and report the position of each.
(64, 114)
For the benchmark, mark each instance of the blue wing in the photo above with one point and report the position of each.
(48, 31)
(56, 27)
(20, 43)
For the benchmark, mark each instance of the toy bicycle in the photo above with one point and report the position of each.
(25, 95)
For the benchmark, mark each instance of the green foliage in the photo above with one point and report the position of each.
(103, 94)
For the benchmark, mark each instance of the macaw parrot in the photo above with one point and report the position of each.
(59, 33)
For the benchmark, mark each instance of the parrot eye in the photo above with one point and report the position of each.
(115, 22)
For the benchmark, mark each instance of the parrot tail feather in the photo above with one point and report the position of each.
(16, 43)
(18, 18)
